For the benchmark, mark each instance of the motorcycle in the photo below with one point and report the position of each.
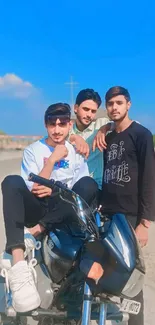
(83, 266)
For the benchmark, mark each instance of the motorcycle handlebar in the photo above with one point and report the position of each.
(51, 183)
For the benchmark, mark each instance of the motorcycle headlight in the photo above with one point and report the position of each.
(134, 284)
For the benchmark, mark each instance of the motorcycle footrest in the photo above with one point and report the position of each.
(45, 312)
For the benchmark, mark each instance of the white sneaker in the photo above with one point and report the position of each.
(21, 279)
(30, 244)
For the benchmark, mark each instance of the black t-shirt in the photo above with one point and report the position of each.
(129, 168)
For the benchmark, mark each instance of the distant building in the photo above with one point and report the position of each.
(19, 142)
(101, 112)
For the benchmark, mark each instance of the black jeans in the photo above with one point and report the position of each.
(136, 319)
(21, 208)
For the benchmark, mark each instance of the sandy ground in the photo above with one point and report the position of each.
(10, 164)
(9, 155)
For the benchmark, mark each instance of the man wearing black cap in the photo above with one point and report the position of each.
(27, 204)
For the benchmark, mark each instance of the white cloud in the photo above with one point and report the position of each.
(13, 86)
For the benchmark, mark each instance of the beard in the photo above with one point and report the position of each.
(82, 121)
(118, 118)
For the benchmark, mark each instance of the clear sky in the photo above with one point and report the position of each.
(100, 43)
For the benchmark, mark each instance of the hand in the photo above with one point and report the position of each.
(96, 271)
(99, 140)
(36, 230)
(59, 153)
(81, 145)
(41, 191)
(142, 234)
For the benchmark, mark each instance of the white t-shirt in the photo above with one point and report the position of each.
(35, 156)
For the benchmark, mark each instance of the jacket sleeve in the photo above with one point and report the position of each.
(146, 177)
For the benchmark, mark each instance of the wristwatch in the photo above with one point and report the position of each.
(146, 223)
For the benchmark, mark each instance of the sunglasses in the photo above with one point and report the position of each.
(52, 120)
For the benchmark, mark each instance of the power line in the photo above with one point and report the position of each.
(72, 85)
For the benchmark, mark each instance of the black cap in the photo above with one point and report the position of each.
(58, 109)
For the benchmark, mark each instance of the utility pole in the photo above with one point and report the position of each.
(72, 85)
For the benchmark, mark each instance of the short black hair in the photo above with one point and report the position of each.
(87, 94)
(116, 91)
(57, 109)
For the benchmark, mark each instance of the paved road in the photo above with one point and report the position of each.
(10, 164)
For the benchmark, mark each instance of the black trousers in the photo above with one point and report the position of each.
(21, 208)
(136, 319)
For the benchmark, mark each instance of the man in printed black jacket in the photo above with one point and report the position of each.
(128, 182)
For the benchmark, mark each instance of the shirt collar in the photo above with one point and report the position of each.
(89, 128)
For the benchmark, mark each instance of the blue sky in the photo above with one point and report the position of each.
(101, 44)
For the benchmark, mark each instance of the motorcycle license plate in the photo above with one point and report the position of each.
(130, 306)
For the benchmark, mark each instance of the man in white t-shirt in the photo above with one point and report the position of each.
(26, 204)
